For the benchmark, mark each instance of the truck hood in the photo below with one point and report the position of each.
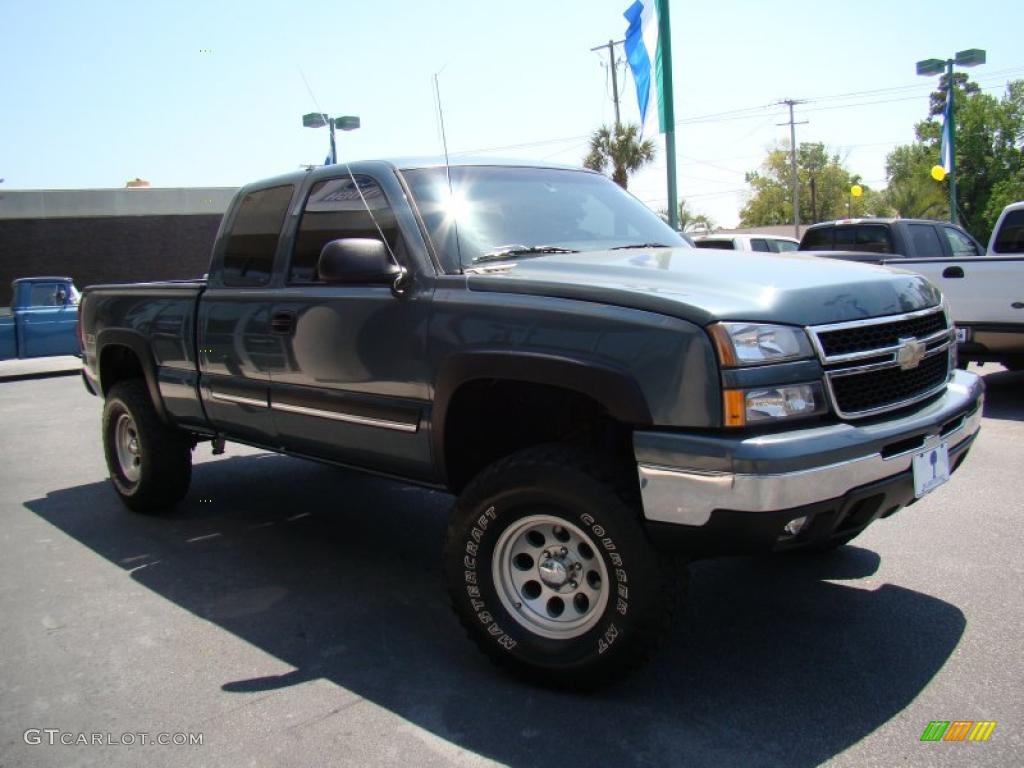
(704, 286)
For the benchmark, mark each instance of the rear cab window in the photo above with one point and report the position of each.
(872, 238)
(720, 243)
(759, 244)
(1010, 237)
(335, 209)
(925, 241)
(818, 239)
(255, 232)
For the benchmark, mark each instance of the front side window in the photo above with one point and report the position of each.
(784, 246)
(336, 209)
(491, 210)
(959, 243)
(46, 295)
(252, 241)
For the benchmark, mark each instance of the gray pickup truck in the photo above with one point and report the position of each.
(601, 397)
(985, 293)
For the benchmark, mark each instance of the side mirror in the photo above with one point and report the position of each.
(357, 260)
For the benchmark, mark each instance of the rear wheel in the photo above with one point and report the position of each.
(551, 573)
(150, 463)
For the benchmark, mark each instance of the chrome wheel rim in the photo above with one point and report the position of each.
(550, 577)
(126, 443)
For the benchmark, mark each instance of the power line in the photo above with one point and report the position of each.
(754, 113)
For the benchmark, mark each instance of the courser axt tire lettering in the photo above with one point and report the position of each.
(551, 573)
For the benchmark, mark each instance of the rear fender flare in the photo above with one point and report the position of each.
(139, 346)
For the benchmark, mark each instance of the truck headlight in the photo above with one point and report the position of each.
(741, 344)
(761, 405)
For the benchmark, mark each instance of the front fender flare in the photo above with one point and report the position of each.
(613, 388)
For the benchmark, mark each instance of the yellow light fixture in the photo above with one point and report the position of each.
(856, 190)
(938, 172)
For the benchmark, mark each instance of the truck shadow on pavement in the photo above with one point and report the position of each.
(1004, 394)
(337, 574)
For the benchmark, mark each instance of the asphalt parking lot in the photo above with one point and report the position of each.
(294, 614)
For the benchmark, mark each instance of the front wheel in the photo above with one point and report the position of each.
(150, 463)
(551, 573)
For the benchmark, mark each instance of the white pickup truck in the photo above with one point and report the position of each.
(985, 290)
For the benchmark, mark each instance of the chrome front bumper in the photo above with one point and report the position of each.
(685, 478)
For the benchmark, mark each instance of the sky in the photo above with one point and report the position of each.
(212, 94)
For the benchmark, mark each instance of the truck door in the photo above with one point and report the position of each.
(46, 320)
(236, 348)
(353, 386)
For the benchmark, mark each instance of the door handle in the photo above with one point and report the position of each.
(282, 322)
(953, 272)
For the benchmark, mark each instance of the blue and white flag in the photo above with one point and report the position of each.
(945, 156)
(643, 52)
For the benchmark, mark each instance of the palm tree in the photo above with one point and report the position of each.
(623, 151)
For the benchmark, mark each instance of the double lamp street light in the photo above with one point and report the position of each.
(972, 57)
(319, 120)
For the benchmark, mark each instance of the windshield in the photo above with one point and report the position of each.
(498, 213)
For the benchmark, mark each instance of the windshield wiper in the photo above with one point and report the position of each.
(509, 251)
(639, 245)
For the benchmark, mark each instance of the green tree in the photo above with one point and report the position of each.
(824, 185)
(912, 192)
(989, 157)
(620, 150)
(689, 221)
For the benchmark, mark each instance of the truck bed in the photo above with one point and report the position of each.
(156, 321)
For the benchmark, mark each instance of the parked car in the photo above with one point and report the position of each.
(41, 321)
(599, 395)
(986, 294)
(753, 242)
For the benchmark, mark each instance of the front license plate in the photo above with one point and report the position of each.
(931, 469)
(963, 334)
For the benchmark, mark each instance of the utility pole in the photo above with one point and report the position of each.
(792, 162)
(610, 45)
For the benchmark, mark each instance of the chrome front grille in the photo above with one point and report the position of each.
(884, 363)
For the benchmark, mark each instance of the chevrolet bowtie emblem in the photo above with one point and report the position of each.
(910, 353)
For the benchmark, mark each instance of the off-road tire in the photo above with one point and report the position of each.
(163, 466)
(562, 484)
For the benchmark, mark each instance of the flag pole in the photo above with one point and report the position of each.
(950, 127)
(668, 118)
